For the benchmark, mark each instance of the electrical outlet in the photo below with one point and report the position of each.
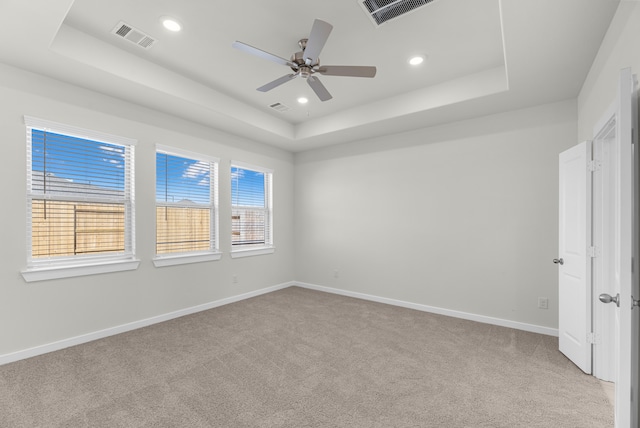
(234, 279)
(543, 303)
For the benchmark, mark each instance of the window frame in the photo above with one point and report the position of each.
(213, 254)
(39, 269)
(256, 249)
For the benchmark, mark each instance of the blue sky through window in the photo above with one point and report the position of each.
(247, 188)
(93, 164)
(181, 179)
(80, 163)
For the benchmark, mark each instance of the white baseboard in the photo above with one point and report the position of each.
(78, 340)
(432, 309)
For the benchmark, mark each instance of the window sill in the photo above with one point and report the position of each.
(43, 273)
(236, 254)
(185, 259)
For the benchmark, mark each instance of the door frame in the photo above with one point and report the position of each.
(615, 227)
(603, 321)
(626, 236)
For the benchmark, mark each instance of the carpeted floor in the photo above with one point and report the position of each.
(300, 358)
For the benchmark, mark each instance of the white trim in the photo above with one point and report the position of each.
(189, 204)
(268, 190)
(82, 199)
(609, 114)
(212, 206)
(39, 269)
(237, 254)
(67, 270)
(267, 209)
(603, 317)
(75, 131)
(432, 309)
(169, 150)
(89, 337)
(183, 259)
(215, 201)
(255, 168)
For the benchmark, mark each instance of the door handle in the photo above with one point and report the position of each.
(558, 261)
(606, 298)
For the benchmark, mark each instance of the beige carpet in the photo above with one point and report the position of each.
(300, 358)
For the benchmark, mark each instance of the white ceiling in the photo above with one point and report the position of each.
(483, 56)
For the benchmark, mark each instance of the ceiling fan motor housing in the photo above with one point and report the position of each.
(298, 58)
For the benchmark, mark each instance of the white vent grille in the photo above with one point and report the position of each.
(381, 11)
(133, 35)
(279, 107)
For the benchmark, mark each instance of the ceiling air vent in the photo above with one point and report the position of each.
(279, 107)
(380, 11)
(133, 35)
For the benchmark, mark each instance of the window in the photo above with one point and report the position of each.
(251, 210)
(186, 207)
(80, 201)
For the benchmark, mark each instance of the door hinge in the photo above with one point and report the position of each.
(592, 338)
(594, 165)
(593, 252)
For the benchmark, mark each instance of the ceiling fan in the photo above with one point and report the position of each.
(306, 63)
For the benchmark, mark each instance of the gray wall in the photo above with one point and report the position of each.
(461, 217)
(38, 313)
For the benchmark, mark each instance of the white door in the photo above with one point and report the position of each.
(574, 277)
(625, 236)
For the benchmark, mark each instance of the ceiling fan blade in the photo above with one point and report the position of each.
(262, 54)
(282, 80)
(319, 88)
(347, 70)
(318, 37)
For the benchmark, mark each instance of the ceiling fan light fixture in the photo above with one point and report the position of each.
(171, 24)
(307, 62)
(416, 60)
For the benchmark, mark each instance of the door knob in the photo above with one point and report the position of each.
(605, 298)
(558, 261)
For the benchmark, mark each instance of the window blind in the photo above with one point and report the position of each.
(251, 207)
(80, 194)
(185, 208)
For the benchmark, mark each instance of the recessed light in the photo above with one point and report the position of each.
(416, 60)
(170, 24)
(303, 100)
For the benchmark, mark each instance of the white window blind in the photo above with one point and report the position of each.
(80, 194)
(186, 202)
(251, 203)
